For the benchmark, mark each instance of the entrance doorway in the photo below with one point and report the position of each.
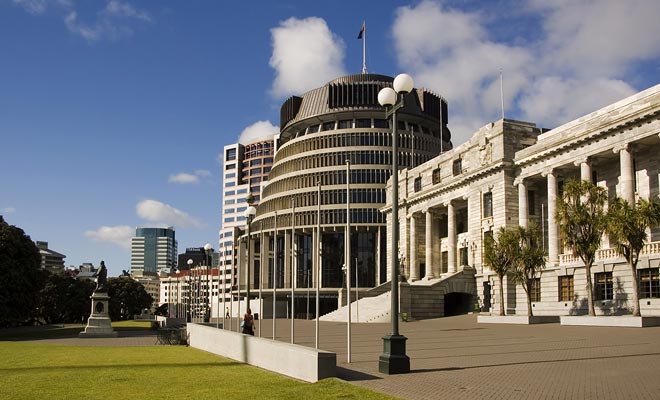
(457, 304)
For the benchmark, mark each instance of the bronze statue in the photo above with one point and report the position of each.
(102, 279)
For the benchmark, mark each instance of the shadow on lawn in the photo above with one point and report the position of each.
(59, 332)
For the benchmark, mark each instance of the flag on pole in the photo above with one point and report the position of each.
(361, 32)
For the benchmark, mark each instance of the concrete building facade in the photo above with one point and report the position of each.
(332, 137)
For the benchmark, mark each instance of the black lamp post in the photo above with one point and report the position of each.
(250, 212)
(394, 359)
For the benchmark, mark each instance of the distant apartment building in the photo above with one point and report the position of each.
(245, 170)
(50, 259)
(153, 250)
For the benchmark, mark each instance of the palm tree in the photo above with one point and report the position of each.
(499, 255)
(529, 259)
(626, 228)
(582, 219)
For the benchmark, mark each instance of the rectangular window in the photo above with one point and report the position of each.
(229, 219)
(328, 126)
(381, 123)
(230, 193)
(230, 175)
(313, 129)
(535, 289)
(363, 123)
(464, 255)
(531, 202)
(230, 201)
(436, 176)
(230, 166)
(230, 184)
(255, 162)
(566, 288)
(230, 155)
(418, 184)
(488, 204)
(603, 285)
(649, 283)
(457, 167)
(345, 124)
(241, 191)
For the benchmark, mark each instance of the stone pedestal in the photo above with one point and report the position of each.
(98, 324)
(394, 359)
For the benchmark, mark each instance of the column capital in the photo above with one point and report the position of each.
(547, 172)
(621, 146)
(447, 203)
(519, 181)
(583, 160)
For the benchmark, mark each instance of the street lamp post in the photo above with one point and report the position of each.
(250, 212)
(209, 286)
(190, 262)
(394, 359)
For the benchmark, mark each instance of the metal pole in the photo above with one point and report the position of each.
(395, 228)
(224, 282)
(238, 298)
(357, 308)
(248, 265)
(347, 258)
(293, 263)
(318, 261)
(261, 280)
(275, 277)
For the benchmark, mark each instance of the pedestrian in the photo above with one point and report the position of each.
(248, 323)
(227, 312)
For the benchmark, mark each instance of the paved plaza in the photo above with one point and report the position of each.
(455, 357)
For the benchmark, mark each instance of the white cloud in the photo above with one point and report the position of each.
(8, 210)
(120, 235)
(260, 130)
(118, 9)
(306, 54)
(186, 178)
(33, 6)
(183, 178)
(161, 213)
(112, 23)
(574, 67)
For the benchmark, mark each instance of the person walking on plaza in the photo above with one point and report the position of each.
(248, 323)
(227, 312)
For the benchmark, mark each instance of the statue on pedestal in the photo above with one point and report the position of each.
(102, 279)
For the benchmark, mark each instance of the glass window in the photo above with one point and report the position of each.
(345, 124)
(457, 167)
(230, 193)
(230, 155)
(488, 204)
(328, 126)
(535, 289)
(266, 170)
(566, 288)
(241, 209)
(649, 283)
(230, 184)
(229, 219)
(230, 166)
(230, 175)
(437, 175)
(230, 201)
(268, 160)
(241, 191)
(363, 123)
(418, 184)
(381, 123)
(531, 202)
(603, 285)
(255, 162)
(313, 129)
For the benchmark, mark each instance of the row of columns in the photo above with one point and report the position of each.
(626, 191)
(414, 273)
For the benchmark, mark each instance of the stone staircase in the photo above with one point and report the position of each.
(369, 309)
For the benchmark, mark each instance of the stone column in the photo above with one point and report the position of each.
(414, 267)
(523, 211)
(626, 178)
(585, 169)
(553, 236)
(451, 238)
(287, 258)
(429, 245)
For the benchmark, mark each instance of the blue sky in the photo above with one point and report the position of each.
(113, 113)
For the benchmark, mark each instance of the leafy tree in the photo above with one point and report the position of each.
(499, 255)
(162, 310)
(582, 220)
(529, 259)
(21, 276)
(626, 229)
(64, 299)
(127, 298)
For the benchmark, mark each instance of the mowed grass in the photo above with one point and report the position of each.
(64, 330)
(31, 370)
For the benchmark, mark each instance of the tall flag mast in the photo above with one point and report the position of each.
(363, 35)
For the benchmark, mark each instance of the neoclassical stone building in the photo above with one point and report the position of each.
(510, 173)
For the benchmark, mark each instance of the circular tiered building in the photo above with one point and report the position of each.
(319, 132)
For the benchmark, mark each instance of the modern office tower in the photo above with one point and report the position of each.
(245, 169)
(50, 260)
(153, 250)
(199, 257)
(319, 132)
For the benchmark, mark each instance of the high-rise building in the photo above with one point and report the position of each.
(245, 170)
(320, 132)
(50, 260)
(153, 250)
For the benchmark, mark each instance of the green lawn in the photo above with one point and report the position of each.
(65, 330)
(31, 370)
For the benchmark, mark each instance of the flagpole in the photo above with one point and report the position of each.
(364, 47)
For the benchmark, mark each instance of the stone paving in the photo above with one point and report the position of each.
(455, 357)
